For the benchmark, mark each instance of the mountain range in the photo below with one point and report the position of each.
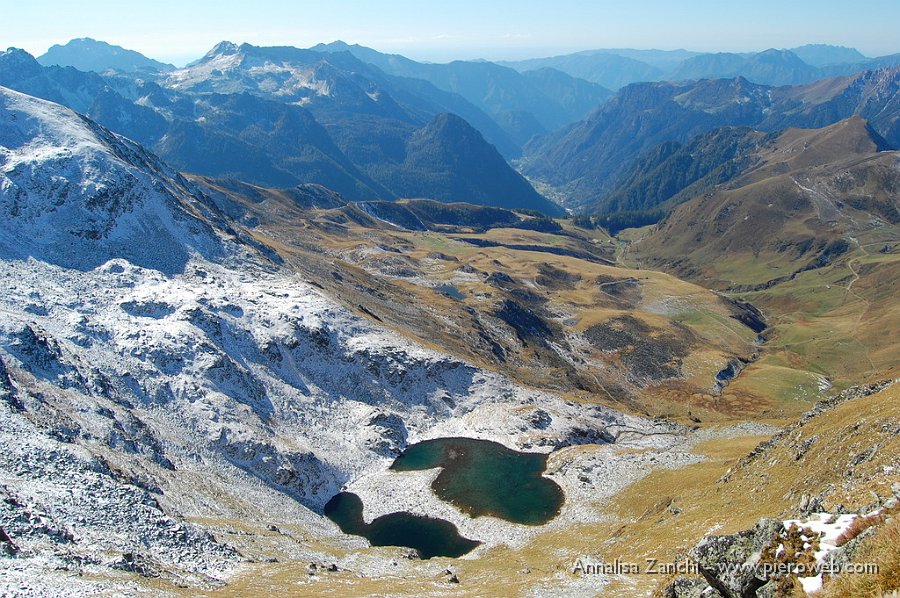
(587, 160)
(334, 121)
(617, 68)
(798, 200)
(356, 112)
(236, 289)
(525, 105)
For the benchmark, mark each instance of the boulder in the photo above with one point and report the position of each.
(728, 563)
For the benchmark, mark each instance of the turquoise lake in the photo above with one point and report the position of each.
(477, 476)
(486, 478)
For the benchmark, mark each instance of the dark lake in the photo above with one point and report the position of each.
(486, 478)
(478, 476)
(429, 536)
(451, 291)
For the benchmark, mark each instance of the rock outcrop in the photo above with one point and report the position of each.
(730, 564)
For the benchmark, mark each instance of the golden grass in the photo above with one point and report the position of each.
(881, 549)
(769, 486)
(442, 323)
(859, 525)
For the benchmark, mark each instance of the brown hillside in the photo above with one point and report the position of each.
(811, 236)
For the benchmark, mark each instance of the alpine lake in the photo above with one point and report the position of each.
(479, 477)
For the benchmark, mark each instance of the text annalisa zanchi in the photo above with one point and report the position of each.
(651, 566)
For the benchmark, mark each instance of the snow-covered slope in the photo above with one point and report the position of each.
(231, 68)
(75, 194)
(156, 369)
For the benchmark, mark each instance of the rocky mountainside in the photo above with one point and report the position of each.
(529, 296)
(86, 54)
(76, 195)
(85, 92)
(874, 95)
(821, 514)
(588, 160)
(159, 369)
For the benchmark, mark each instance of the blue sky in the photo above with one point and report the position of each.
(179, 31)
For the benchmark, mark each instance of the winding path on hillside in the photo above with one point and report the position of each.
(852, 266)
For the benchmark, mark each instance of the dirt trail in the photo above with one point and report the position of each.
(851, 265)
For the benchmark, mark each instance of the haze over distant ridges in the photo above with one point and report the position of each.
(524, 105)
(468, 30)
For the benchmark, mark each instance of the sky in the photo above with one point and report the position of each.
(179, 31)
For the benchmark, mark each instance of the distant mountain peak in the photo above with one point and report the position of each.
(451, 132)
(820, 55)
(779, 55)
(223, 48)
(467, 168)
(774, 52)
(88, 54)
(337, 45)
(17, 64)
(449, 121)
(17, 54)
(88, 41)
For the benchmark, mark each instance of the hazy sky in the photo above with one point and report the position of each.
(181, 30)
